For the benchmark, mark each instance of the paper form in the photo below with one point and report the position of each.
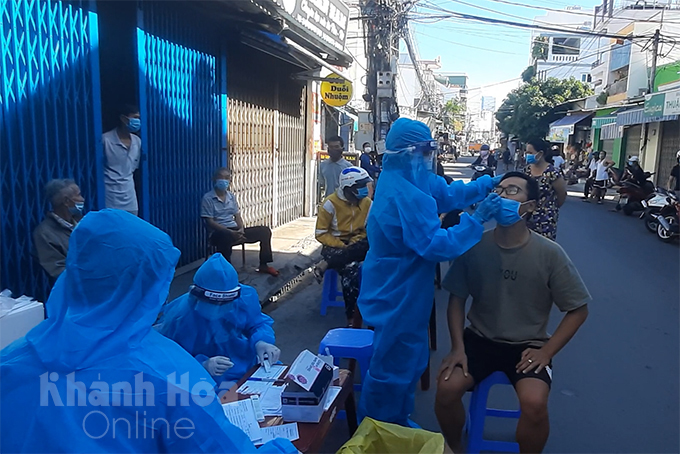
(332, 392)
(287, 431)
(242, 414)
(270, 401)
(273, 374)
(254, 387)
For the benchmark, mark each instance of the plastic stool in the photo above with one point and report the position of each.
(351, 343)
(479, 411)
(330, 292)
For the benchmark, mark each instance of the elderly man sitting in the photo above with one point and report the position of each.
(51, 237)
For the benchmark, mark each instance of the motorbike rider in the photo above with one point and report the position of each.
(674, 178)
(485, 158)
(633, 172)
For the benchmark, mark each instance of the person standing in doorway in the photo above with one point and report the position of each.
(122, 152)
(334, 165)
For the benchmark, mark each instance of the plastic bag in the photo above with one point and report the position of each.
(376, 437)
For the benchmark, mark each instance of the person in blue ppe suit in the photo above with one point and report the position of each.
(220, 323)
(95, 376)
(407, 240)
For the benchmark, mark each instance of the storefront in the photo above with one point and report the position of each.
(570, 130)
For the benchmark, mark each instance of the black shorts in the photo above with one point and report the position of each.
(600, 184)
(486, 357)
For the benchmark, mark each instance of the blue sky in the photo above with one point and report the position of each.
(489, 54)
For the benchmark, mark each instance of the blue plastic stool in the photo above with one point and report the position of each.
(479, 411)
(330, 292)
(350, 343)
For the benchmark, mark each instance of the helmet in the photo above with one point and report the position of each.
(353, 176)
(484, 147)
(677, 155)
(634, 159)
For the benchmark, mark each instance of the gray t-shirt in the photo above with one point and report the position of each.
(120, 162)
(222, 212)
(513, 290)
(331, 173)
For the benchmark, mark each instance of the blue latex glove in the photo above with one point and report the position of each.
(487, 208)
(497, 179)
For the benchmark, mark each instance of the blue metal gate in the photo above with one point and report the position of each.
(183, 106)
(51, 125)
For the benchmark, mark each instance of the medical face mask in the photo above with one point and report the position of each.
(77, 209)
(362, 193)
(222, 185)
(134, 124)
(484, 153)
(509, 213)
(531, 159)
(367, 149)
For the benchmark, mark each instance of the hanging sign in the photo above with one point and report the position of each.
(336, 93)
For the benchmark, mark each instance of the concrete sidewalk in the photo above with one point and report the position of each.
(295, 252)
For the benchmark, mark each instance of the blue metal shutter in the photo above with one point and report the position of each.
(51, 122)
(182, 112)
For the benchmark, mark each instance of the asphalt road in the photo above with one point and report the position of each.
(615, 387)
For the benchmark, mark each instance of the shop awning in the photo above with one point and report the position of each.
(610, 131)
(570, 120)
(598, 122)
(561, 129)
(637, 117)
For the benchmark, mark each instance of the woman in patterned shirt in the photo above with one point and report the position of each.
(553, 189)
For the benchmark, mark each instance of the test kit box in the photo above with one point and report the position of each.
(15, 324)
(307, 382)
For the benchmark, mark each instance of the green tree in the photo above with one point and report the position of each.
(454, 112)
(540, 47)
(528, 74)
(526, 111)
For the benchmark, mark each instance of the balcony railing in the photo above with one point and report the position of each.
(620, 86)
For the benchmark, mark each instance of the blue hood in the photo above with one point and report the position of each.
(100, 306)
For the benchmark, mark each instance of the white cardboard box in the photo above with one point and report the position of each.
(19, 322)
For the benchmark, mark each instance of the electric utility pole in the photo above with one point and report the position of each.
(382, 29)
(655, 57)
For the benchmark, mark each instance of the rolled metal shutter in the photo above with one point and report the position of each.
(51, 123)
(670, 144)
(633, 137)
(181, 109)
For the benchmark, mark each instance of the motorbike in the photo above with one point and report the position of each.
(669, 228)
(653, 206)
(481, 170)
(631, 195)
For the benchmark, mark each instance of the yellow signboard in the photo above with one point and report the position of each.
(336, 93)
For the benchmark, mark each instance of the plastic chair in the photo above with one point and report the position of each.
(349, 343)
(330, 295)
(478, 412)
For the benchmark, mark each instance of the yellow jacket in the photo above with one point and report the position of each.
(340, 223)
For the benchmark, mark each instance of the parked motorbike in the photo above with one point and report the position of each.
(669, 227)
(631, 195)
(481, 170)
(653, 206)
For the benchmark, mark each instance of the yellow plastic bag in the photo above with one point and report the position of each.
(375, 437)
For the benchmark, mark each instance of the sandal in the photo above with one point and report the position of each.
(268, 270)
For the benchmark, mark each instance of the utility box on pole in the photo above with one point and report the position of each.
(365, 130)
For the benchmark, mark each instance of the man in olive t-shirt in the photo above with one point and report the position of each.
(514, 277)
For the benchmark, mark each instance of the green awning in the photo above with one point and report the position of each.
(601, 121)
